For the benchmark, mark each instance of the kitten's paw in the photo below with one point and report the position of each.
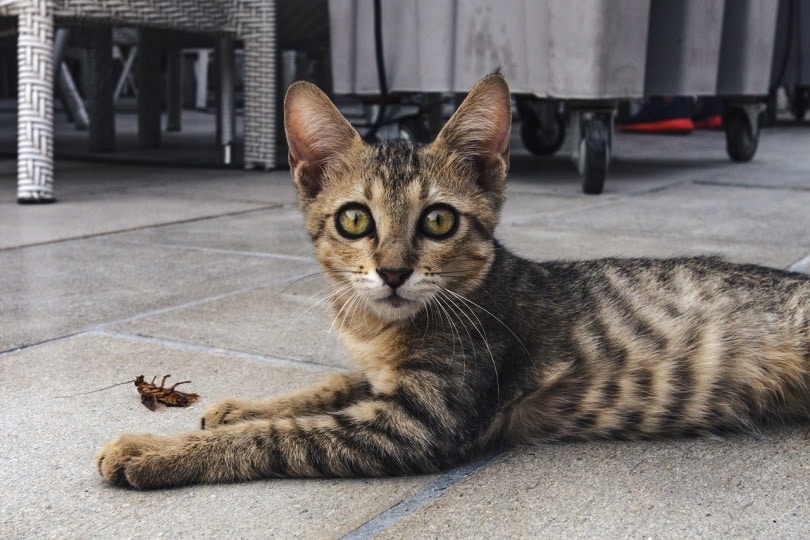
(120, 461)
(225, 412)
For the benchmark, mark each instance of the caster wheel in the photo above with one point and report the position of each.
(742, 139)
(542, 126)
(594, 154)
(799, 102)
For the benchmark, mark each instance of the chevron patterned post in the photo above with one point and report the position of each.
(35, 102)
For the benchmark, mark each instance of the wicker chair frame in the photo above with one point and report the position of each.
(251, 21)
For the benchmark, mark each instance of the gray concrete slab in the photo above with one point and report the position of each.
(699, 212)
(59, 289)
(92, 201)
(192, 271)
(50, 486)
(541, 243)
(276, 230)
(290, 321)
(738, 488)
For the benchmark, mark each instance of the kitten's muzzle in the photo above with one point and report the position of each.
(394, 277)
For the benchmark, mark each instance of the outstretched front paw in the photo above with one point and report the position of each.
(121, 461)
(225, 412)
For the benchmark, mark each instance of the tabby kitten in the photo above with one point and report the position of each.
(461, 345)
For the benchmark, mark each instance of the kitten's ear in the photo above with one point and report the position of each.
(317, 136)
(479, 131)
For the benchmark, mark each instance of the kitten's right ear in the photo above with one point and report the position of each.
(317, 136)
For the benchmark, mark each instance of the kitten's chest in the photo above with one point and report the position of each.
(379, 353)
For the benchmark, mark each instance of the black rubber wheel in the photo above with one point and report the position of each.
(742, 139)
(769, 116)
(542, 126)
(594, 155)
(799, 102)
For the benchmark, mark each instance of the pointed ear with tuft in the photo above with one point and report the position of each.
(479, 132)
(317, 136)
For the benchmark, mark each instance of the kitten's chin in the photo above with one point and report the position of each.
(394, 308)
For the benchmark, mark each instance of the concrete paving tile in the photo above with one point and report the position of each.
(700, 212)
(50, 488)
(94, 199)
(527, 198)
(203, 272)
(57, 289)
(702, 150)
(742, 487)
(780, 161)
(253, 186)
(277, 230)
(283, 321)
(539, 243)
(31, 225)
(643, 162)
(557, 175)
(638, 163)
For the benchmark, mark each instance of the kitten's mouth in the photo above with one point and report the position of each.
(394, 300)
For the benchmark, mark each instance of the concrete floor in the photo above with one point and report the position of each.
(201, 273)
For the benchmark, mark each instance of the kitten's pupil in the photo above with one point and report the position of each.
(439, 222)
(354, 221)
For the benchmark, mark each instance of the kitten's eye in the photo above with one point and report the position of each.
(439, 222)
(354, 221)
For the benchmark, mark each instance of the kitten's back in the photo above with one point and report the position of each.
(653, 347)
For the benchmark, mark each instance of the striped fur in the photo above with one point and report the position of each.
(473, 346)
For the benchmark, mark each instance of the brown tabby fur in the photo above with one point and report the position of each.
(477, 347)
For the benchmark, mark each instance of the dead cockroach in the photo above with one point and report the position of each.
(151, 394)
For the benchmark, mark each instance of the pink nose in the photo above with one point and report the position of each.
(394, 277)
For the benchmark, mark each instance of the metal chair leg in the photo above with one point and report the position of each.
(226, 119)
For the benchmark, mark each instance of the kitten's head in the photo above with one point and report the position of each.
(400, 225)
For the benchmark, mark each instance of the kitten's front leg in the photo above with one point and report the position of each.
(147, 461)
(408, 432)
(331, 394)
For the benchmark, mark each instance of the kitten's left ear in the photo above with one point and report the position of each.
(479, 131)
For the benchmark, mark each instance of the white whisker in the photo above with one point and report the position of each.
(479, 328)
(319, 304)
(443, 307)
(344, 307)
(499, 321)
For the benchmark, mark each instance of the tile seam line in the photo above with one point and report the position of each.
(198, 302)
(201, 249)
(420, 499)
(231, 353)
(508, 220)
(549, 227)
(612, 199)
(796, 265)
(179, 345)
(732, 184)
(194, 303)
(143, 227)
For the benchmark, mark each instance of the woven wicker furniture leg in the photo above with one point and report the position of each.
(35, 101)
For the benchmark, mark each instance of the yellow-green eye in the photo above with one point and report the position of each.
(439, 222)
(354, 221)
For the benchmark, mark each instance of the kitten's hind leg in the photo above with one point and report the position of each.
(329, 395)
